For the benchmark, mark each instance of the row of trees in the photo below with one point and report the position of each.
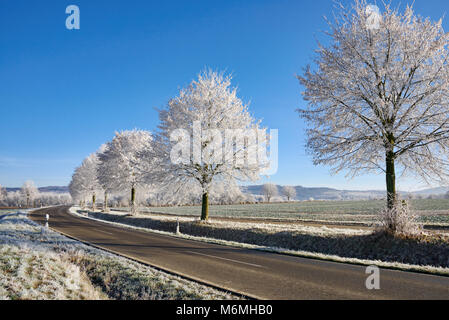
(29, 196)
(378, 100)
(186, 160)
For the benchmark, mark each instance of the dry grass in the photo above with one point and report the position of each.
(133, 281)
(30, 274)
(31, 266)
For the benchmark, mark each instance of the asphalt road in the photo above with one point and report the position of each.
(254, 273)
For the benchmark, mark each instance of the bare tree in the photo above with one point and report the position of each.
(289, 192)
(103, 179)
(85, 180)
(3, 194)
(378, 99)
(29, 192)
(120, 165)
(201, 115)
(77, 192)
(269, 191)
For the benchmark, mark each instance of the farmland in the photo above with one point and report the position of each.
(429, 210)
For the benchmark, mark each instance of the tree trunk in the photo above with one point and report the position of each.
(133, 199)
(93, 201)
(391, 180)
(105, 205)
(205, 207)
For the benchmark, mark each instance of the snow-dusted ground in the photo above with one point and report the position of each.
(255, 225)
(38, 263)
(430, 212)
(322, 232)
(32, 269)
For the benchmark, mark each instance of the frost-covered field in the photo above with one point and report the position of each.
(429, 210)
(265, 226)
(37, 263)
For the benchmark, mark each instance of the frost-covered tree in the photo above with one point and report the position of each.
(29, 192)
(217, 136)
(121, 166)
(289, 192)
(103, 180)
(378, 97)
(85, 181)
(226, 193)
(3, 194)
(269, 191)
(77, 192)
(14, 199)
(52, 198)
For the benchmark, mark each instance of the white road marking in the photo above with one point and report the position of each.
(104, 232)
(232, 260)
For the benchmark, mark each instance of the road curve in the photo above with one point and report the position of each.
(254, 273)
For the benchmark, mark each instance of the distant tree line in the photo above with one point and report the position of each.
(29, 197)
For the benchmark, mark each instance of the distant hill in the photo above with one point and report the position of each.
(321, 193)
(56, 189)
(433, 191)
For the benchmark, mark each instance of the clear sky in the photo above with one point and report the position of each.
(64, 92)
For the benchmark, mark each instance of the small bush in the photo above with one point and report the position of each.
(400, 220)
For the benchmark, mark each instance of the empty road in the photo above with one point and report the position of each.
(255, 273)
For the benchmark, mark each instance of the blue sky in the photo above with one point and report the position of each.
(64, 92)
